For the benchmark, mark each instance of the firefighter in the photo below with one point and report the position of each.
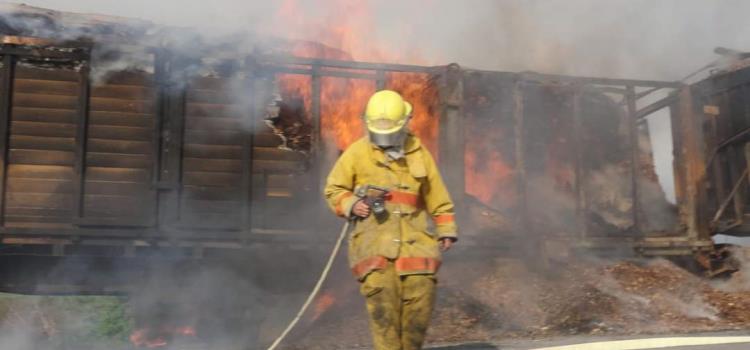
(393, 254)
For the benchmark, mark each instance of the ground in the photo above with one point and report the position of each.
(483, 303)
(486, 300)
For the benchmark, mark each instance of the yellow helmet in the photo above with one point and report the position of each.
(386, 112)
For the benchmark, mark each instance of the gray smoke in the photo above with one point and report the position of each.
(663, 40)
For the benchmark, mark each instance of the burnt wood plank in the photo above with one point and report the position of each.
(53, 186)
(266, 140)
(209, 110)
(39, 200)
(40, 171)
(36, 221)
(127, 92)
(107, 205)
(211, 193)
(117, 174)
(47, 87)
(276, 166)
(211, 165)
(120, 105)
(18, 211)
(280, 181)
(120, 133)
(213, 137)
(129, 78)
(27, 72)
(209, 96)
(209, 83)
(117, 160)
(44, 115)
(42, 143)
(119, 146)
(113, 188)
(269, 153)
(45, 101)
(210, 206)
(43, 129)
(212, 151)
(39, 157)
(121, 119)
(195, 178)
(217, 123)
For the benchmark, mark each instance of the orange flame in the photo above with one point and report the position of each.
(488, 173)
(343, 100)
(149, 338)
(325, 301)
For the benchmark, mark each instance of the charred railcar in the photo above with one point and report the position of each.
(177, 156)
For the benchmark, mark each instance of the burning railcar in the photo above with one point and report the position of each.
(118, 149)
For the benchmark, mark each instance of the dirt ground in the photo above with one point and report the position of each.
(501, 298)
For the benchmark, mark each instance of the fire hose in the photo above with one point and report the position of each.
(316, 289)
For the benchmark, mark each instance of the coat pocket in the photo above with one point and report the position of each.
(372, 285)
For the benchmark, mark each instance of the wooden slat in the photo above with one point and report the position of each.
(211, 179)
(116, 160)
(37, 200)
(211, 165)
(207, 110)
(43, 129)
(129, 78)
(19, 211)
(209, 83)
(48, 87)
(212, 193)
(120, 133)
(197, 220)
(120, 105)
(193, 150)
(206, 206)
(266, 140)
(128, 92)
(217, 123)
(103, 205)
(119, 146)
(35, 221)
(42, 143)
(54, 186)
(131, 189)
(209, 96)
(121, 119)
(117, 174)
(232, 165)
(213, 138)
(45, 101)
(212, 151)
(44, 115)
(26, 72)
(40, 172)
(280, 181)
(268, 153)
(39, 157)
(276, 167)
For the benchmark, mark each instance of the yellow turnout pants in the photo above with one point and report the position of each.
(399, 308)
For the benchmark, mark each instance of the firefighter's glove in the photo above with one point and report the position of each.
(446, 243)
(361, 209)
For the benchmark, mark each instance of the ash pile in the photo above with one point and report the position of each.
(502, 298)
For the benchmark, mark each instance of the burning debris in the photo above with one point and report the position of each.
(542, 158)
(505, 299)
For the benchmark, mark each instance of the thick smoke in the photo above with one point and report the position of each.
(663, 40)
